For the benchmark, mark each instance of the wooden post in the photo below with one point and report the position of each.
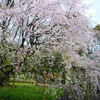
(44, 82)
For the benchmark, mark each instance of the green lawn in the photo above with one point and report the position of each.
(27, 92)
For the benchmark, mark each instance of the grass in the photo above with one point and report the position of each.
(27, 92)
(22, 81)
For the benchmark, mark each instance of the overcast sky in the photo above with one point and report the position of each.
(94, 10)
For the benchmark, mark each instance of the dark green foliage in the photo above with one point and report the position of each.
(97, 27)
(6, 72)
(58, 62)
(80, 52)
(63, 81)
(55, 65)
(6, 67)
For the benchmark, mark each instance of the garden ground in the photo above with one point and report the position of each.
(27, 92)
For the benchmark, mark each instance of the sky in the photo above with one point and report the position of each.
(94, 11)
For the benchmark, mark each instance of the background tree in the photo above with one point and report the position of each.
(59, 25)
(97, 27)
